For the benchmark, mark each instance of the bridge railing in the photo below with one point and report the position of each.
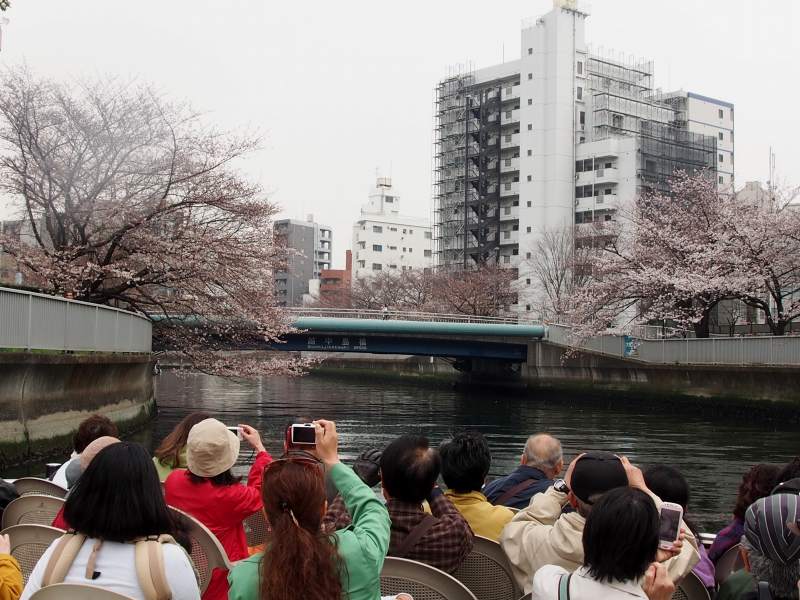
(30, 321)
(398, 315)
(741, 351)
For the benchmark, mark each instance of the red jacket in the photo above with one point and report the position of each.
(220, 508)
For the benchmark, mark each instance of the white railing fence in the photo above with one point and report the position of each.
(743, 351)
(30, 321)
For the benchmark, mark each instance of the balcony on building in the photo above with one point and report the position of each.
(509, 213)
(510, 116)
(509, 140)
(509, 188)
(509, 165)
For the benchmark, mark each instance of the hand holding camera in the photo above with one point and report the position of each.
(327, 441)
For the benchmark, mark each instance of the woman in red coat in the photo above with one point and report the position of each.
(209, 492)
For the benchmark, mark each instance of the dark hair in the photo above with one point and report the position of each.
(409, 468)
(224, 478)
(92, 428)
(118, 497)
(620, 538)
(756, 483)
(299, 552)
(790, 471)
(669, 484)
(168, 452)
(465, 461)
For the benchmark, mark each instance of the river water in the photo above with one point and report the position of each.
(713, 453)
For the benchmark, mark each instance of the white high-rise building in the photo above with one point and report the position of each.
(385, 240)
(560, 137)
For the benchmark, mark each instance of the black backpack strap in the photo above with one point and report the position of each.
(415, 535)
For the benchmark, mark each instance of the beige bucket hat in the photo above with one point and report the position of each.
(211, 448)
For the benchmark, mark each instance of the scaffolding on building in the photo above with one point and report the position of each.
(467, 170)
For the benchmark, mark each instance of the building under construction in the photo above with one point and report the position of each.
(562, 136)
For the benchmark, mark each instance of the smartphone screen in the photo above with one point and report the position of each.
(303, 434)
(670, 524)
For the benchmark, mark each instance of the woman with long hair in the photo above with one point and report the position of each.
(116, 502)
(209, 491)
(302, 561)
(171, 452)
(756, 483)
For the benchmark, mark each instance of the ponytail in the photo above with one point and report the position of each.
(298, 557)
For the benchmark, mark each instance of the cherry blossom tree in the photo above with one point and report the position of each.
(134, 201)
(487, 290)
(670, 257)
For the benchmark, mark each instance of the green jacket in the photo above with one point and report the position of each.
(362, 546)
(165, 469)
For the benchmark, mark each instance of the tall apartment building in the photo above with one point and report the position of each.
(560, 137)
(310, 252)
(385, 240)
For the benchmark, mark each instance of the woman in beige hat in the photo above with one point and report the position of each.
(209, 492)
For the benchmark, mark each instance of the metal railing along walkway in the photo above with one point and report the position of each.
(30, 321)
(398, 315)
(779, 351)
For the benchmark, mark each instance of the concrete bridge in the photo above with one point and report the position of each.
(413, 333)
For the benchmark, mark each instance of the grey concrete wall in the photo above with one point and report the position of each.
(548, 366)
(43, 398)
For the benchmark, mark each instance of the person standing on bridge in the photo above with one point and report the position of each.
(541, 462)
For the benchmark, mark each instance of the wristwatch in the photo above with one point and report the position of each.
(561, 486)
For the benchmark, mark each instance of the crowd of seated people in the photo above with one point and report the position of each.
(592, 534)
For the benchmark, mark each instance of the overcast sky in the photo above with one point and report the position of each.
(340, 89)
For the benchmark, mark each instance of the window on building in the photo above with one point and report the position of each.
(530, 101)
(529, 203)
(721, 114)
(508, 162)
(404, 248)
(404, 231)
(721, 179)
(588, 165)
(650, 166)
(506, 235)
(527, 230)
(377, 229)
(582, 140)
(507, 210)
(509, 91)
(515, 251)
(616, 121)
(427, 253)
(507, 185)
(515, 227)
(530, 152)
(515, 203)
(410, 250)
(721, 136)
(508, 137)
(582, 118)
(377, 267)
(607, 192)
(579, 191)
(530, 178)
(506, 258)
(527, 282)
(580, 67)
(392, 228)
(608, 165)
(427, 235)
(580, 93)
(530, 51)
(530, 76)
(410, 232)
(530, 126)
(362, 245)
(392, 266)
(608, 217)
(362, 264)
(392, 247)
(388, 199)
(377, 248)
(527, 255)
(508, 114)
(721, 158)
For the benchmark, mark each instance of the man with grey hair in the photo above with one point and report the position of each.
(541, 462)
(770, 551)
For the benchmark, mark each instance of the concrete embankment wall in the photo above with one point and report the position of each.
(761, 387)
(43, 398)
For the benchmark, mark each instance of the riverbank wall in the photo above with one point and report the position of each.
(45, 396)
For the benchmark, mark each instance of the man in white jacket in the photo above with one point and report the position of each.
(544, 534)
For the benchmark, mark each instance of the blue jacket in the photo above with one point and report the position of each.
(494, 489)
